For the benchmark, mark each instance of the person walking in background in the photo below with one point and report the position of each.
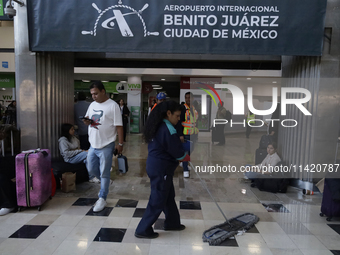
(80, 109)
(11, 113)
(221, 114)
(165, 149)
(105, 122)
(161, 97)
(189, 130)
(125, 114)
(250, 120)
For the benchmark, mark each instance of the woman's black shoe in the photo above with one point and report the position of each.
(151, 236)
(253, 185)
(179, 228)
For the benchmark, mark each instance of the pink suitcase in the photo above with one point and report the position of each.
(33, 178)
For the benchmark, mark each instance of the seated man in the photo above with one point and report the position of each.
(264, 168)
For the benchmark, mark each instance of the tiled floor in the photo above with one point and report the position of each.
(289, 223)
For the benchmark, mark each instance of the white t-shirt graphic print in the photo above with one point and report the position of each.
(106, 117)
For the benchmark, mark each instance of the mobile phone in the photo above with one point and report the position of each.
(84, 118)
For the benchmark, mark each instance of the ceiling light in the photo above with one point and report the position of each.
(85, 80)
(105, 81)
(156, 86)
(248, 78)
(274, 82)
(163, 79)
(3, 89)
(123, 81)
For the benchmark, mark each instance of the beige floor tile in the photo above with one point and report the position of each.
(164, 249)
(331, 242)
(14, 246)
(42, 247)
(307, 242)
(278, 241)
(251, 240)
(219, 250)
(68, 220)
(43, 219)
(72, 247)
(116, 222)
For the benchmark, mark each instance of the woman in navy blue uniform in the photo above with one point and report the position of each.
(165, 150)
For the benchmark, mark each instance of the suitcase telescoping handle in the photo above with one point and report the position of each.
(31, 181)
(36, 151)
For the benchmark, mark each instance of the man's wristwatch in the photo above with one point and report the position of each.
(120, 144)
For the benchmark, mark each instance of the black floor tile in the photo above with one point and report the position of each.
(127, 203)
(276, 208)
(139, 212)
(105, 212)
(253, 230)
(110, 235)
(190, 205)
(335, 252)
(229, 242)
(85, 201)
(159, 224)
(335, 227)
(29, 231)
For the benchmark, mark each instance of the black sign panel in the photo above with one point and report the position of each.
(266, 27)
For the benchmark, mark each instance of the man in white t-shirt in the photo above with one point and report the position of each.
(104, 124)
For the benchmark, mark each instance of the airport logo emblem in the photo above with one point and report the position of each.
(115, 16)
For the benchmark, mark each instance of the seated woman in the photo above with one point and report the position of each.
(8, 197)
(271, 160)
(69, 147)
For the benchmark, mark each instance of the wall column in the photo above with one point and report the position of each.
(44, 90)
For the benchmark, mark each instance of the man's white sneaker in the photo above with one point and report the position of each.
(5, 211)
(94, 180)
(99, 205)
(186, 174)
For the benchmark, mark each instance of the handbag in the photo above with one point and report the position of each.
(68, 182)
(122, 164)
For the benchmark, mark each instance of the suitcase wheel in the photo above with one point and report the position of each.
(328, 218)
(39, 208)
(19, 209)
(321, 214)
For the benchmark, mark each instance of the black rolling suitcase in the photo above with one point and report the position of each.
(214, 135)
(260, 155)
(330, 205)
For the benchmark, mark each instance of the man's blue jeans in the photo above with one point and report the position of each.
(99, 162)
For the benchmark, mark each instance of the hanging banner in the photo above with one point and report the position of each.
(7, 80)
(263, 27)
